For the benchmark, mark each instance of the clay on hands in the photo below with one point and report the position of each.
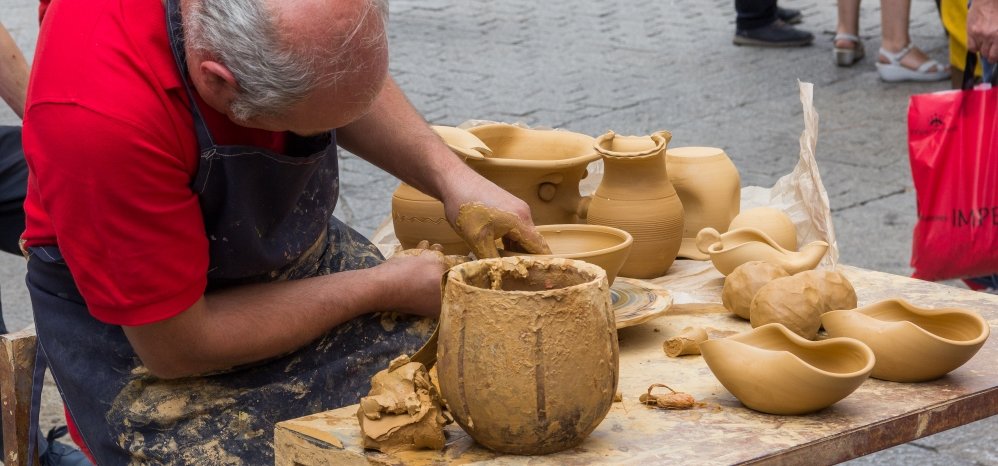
(403, 410)
(481, 225)
(687, 342)
(424, 247)
(741, 285)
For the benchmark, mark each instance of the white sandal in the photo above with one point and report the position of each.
(845, 56)
(895, 71)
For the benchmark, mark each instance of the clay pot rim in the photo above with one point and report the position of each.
(628, 240)
(598, 273)
(902, 325)
(497, 161)
(661, 139)
(673, 157)
(799, 341)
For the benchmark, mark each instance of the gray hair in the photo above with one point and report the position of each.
(272, 74)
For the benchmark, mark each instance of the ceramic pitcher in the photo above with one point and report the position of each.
(636, 196)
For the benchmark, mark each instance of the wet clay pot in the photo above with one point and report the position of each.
(606, 247)
(527, 353)
(912, 344)
(636, 196)
(773, 222)
(771, 369)
(738, 246)
(709, 187)
(541, 167)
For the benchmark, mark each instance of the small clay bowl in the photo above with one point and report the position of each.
(912, 344)
(771, 369)
(604, 246)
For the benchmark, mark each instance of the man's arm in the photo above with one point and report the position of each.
(13, 73)
(251, 323)
(395, 137)
(982, 29)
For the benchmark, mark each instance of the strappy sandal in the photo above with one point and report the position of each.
(847, 56)
(894, 71)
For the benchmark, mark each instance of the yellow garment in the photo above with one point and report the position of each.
(954, 14)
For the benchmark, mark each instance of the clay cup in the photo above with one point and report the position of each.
(604, 246)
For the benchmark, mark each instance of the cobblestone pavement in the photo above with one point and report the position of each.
(637, 66)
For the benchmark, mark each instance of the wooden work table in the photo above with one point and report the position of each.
(721, 431)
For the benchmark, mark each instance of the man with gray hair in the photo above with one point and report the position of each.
(189, 283)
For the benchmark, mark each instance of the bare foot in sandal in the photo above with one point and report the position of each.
(909, 64)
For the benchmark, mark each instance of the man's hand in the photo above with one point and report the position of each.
(482, 212)
(419, 271)
(982, 29)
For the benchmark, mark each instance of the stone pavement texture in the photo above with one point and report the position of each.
(637, 66)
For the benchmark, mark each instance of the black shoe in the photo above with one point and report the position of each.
(789, 16)
(776, 34)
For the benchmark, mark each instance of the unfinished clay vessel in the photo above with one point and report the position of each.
(912, 344)
(771, 221)
(636, 196)
(738, 246)
(527, 352)
(541, 167)
(709, 187)
(417, 216)
(606, 247)
(772, 370)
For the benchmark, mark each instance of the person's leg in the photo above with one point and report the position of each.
(752, 14)
(13, 186)
(848, 22)
(894, 18)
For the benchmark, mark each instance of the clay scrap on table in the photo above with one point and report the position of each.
(403, 410)
(687, 342)
(671, 400)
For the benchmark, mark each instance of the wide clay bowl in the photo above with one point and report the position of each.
(771, 369)
(604, 246)
(912, 344)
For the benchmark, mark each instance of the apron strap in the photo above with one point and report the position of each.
(175, 31)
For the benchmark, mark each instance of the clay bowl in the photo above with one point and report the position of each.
(912, 344)
(771, 369)
(604, 246)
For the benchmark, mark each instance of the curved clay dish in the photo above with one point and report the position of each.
(736, 247)
(604, 246)
(527, 351)
(773, 222)
(912, 344)
(772, 370)
(709, 187)
(462, 142)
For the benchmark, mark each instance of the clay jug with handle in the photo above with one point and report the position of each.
(636, 196)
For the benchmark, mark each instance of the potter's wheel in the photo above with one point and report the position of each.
(637, 301)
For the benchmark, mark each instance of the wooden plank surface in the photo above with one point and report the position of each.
(878, 415)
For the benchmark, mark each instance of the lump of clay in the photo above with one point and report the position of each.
(742, 284)
(402, 411)
(836, 290)
(796, 302)
(687, 342)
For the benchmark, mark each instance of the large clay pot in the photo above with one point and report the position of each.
(418, 217)
(709, 187)
(541, 167)
(527, 355)
(636, 196)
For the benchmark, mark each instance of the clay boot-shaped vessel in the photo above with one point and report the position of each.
(636, 196)
(736, 247)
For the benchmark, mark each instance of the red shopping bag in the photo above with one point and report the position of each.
(953, 148)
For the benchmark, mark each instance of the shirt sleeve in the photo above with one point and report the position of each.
(124, 215)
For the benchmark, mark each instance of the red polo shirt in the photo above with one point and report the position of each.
(110, 143)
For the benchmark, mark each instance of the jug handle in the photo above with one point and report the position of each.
(583, 209)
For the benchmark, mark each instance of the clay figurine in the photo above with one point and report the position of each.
(709, 187)
(741, 245)
(741, 285)
(606, 247)
(402, 411)
(527, 351)
(771, 221)
(773, 370)
(912, 344)
(635, 195)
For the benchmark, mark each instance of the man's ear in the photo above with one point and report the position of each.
(218, 79)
